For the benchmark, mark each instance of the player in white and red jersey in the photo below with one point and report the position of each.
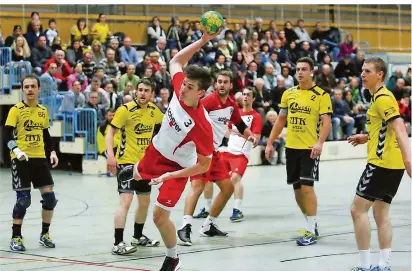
(238, 150)
(221, 109)
(182, 148)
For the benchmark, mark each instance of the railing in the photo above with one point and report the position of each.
(5, 72)
(87, 127)
(19, 70)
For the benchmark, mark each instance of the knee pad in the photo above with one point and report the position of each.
(23, 202)
(49, 201)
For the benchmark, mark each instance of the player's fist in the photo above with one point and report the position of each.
(53, 159)
(111, 164)
(21, 155)
(269, 152)
(358, 139)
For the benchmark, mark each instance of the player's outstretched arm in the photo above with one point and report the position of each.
(402, 137)
(183, 56)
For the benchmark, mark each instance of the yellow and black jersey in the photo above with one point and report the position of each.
(304, 109)
(383, 149)
(101, 137)
(137, 125)
(28, 123)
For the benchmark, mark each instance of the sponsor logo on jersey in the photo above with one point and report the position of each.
(143, 141)
(30, 125)
(295, 107)
(140, 128)
(172, 121)
(223, 119)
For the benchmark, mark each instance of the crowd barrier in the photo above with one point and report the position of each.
(86, 126)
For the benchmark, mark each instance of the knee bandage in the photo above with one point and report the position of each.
(23, 202)
(49, 201)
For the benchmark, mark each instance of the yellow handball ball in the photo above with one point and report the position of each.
(212, 21)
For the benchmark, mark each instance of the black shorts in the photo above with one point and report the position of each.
(301, 169)
(126, 183)
(377, 183)
(35, 171)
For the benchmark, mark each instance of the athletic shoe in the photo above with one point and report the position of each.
(171, 264)
(184, 235)
(362, 269)
(237, 215)
(17, 244)
(212, 231)
(377, 268)
(307, 239)
(144, 241)
(46, 241)
(317, 230)
(123, 249)
(202, 214)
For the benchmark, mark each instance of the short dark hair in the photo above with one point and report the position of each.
(379, 64)
(306, 60)
(111, 110)
(147, 82)
(30, 76)
(253, 90)
(196, 73)
(52, 20)
(227, 74)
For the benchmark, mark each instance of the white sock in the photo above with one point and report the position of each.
(172, 252)
(311, 225)
(238, 202)
(209, 220)
(306, 218)
(365, 258)
(384, 258)
(187, 219)
(208, 205)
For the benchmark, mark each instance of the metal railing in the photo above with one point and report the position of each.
(5, 72)
(86, 127)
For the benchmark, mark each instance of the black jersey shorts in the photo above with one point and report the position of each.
(35, 171)
(126, 183)
(300, 168)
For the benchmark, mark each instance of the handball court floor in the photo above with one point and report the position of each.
(83, 227)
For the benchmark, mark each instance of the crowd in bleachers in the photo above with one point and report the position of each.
(100, 69)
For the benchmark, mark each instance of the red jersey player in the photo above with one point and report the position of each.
(238, 151)
(182, 148)
(221, 109)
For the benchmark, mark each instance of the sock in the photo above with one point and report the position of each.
(311, 225)
(138, 230)
(384, 258)
(16, 230)
(172, 252)
(209, 220)
(45, 228)
(208, 205)
(365, 258)
(238, 202)
(306, 217)
(118, 236)
(187, 219)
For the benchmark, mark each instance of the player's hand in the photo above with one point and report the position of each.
(111, 164)
(316, 150)
(355, 140)
(206, 36)
(166, 176)
(253, 139)
(269, 152)
(53, 159)
(21, 155)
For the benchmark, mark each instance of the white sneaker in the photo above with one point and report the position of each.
(123, 249)
(144, 241)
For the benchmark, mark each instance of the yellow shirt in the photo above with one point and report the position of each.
(137, 126)
(103, 30)
(383, 149)
(101, 138)
(29, 123)
(304, 109)
(77, 34)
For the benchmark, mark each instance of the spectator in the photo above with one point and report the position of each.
(114, 45)
(129, 76)
(218, 66)
(141, 67)
(273, 59)
(128, 54)
(264, 53)
(185, 34)
(306, 51)
(282, 38)
(51, 32)
(237, 61)
(165, 98)
(391, 84)
(282, 56)
(408, 79)
(340, 116)
(333, 39)
(74, 53)
(128, 90)
(102, 96)
(73, 99)
(321, 53)
(263, 101)
(50, 88)
(56, 44)
(405, 111)
(239, 99)
(224, 29)
(357, 112)
(92, 102)
(97, 51)
(301, 32)
(399, 91)
(224, 50)
(326, 80)
(268, 38)
(254, 43)
(252, 72)
(241, 81)
(242, 38)
(247, 55)
(63, 68)
(278, 144)
(100, 30)
(289, 81)
(269, 78)
(111, 68)
(172, 37)
(114, 100)
(154, 32)
(33, 35)
(359, 60)
(40, 55)
(80, 32)
(16, 33)
(163, 78)
(34, 18)
(354, 89)
(318, 35)
(197, 32)
(102, 131)
(88, 65)
(290, 34)
(259, 28)
(277, 92)
(272, 29)
(161, 49)
(292, 55)
(345, 69)
(154, 61)
(328, 61)
(20, 50)
(231, 43)
(348, 48)
(79, 76)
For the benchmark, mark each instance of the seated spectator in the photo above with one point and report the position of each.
(263, 101)
(332, 39)
(63, 68)
(241, 81)
(354, 89)
(102, 96)
(357, 112)
(128, 90)
(231, 43)
(273, 59)
(345, 69)
(252, 72)
(268, 38)
(321, 53)
(259, 28)
(92, 102)
(49, 82)
(241, 39)
(97, 51)
(16, 33)
(111, 68)
(289, 81)
(141, 67)
(32, 36)
(348, 48)
(73, 99)
(292, 55)
(237, 61)
(277, 92)
(408, 79)
(393, 80)
(129, 76)
(163, 78)
(154, 32)
(306, 51)
(247, 55)
(80, 32)
(218, 66)
(40, 55)
(340, 116)
(154, 61)
(224, 50)
(20, 50)
(269, 78)
(128, 54)
(88, 65)
(254, 43)
(301, 32)
(114, 45)
(290, 34)
(272, 29)
(197, 31)
(264, 53)
(51, 32)
(114, 100)
(56, 44)
(278, 144)
(326, 80)
(359, 60)
(165, 98)
(282, 38)
(405, 111)
(148, 74)
(328, 61)
(281, 52)
(172, 35)
(102, 131)
(399, 91)
(78, 75)
(74, 53)
(318, 34)
(100, 30)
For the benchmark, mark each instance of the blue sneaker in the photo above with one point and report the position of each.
(377, 268)
(237, 215)
(363, 269)
(202, 214)
(307, 239)
(16, 244)
(46, 241)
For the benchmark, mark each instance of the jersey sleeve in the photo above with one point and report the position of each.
(46, 120)
(120, 117)
(257, 124)
(236, 119)
(158, 115)
(325, 104)
(284, 100)
(12, 117)
(387, 107)
(177, 82)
